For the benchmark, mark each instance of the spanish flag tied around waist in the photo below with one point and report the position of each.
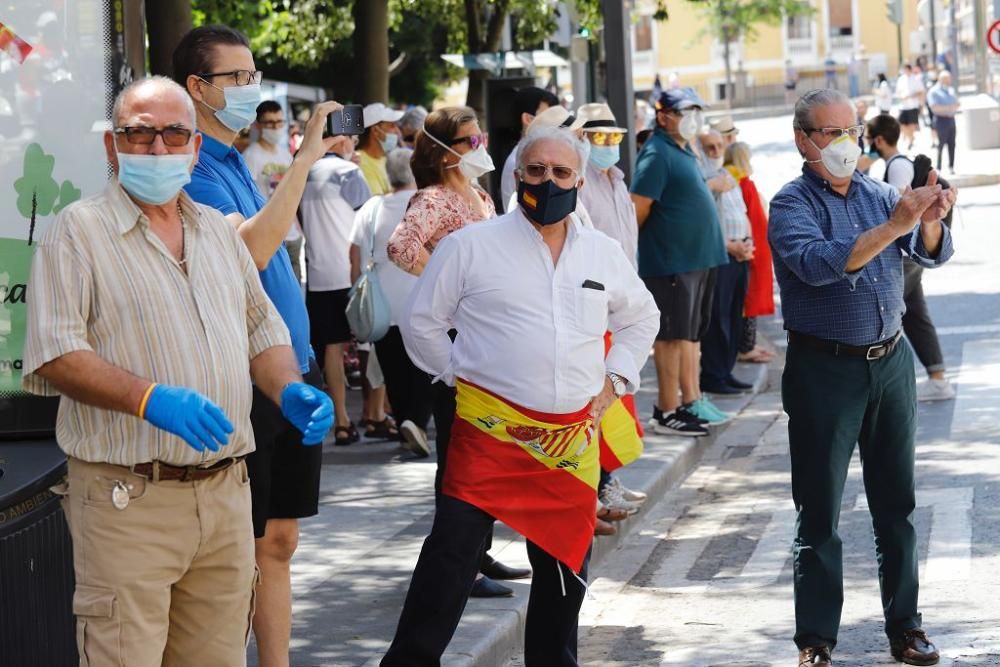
(537, 472)
(620, 432)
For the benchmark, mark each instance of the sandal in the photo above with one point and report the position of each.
(345, 435)
(382, 430)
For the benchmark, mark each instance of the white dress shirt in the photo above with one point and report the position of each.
(606, 198)
(527, 329)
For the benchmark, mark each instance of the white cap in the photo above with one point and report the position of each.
(378, 112)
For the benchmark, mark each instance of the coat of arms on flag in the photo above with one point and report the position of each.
(12, 45)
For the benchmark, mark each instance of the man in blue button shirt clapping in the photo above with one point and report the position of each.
(838, 239)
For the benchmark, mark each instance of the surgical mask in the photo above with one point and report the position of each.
(241, 106)
(604, 157)
(389, 142)
(587, 150)
(839, 157)
(715, 163)
(546, 203)
(873, 152)
(689, 125)
(473, 164)
(273, 135)
(154, 179)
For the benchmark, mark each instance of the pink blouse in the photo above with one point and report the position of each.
(433, 213)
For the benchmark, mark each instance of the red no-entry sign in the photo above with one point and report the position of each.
(993, 37)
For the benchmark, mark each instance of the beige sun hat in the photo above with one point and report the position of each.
(597, 117)
(557, 116)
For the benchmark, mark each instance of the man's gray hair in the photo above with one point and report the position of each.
(158, 81)
(815, 98)
(558, 134)
(397, 165)
(413, 119)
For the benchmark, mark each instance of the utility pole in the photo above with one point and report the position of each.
(982, 64)
(934, 33)
(618, 47)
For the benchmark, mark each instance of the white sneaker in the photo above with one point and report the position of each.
(627, 493)
(935, 390)
(414, 439)
(612, 498)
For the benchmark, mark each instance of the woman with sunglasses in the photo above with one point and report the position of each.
(449, 155)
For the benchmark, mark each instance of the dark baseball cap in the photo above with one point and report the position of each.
(678, 99)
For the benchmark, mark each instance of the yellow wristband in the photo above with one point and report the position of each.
(145, 400)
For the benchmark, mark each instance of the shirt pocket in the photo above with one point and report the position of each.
(591, 311)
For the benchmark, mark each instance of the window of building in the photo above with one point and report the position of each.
(799, 27)
(840, 18)
(644, 33)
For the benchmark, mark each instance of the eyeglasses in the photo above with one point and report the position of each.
(144, 136)
(474, 141)
(855, 132)
(605, 138)
(542, 172)
(272, 124)
(241, 77)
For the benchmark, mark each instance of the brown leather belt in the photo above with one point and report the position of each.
(867, 352)
(160, 471)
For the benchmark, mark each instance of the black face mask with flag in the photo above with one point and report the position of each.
(546, 203)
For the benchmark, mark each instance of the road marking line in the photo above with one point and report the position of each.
(968, 329)
(949, 550)
(977, 408)
(765, 564)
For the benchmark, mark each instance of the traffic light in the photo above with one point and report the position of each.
(894, 11)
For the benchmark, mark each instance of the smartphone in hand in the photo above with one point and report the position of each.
(349, 120)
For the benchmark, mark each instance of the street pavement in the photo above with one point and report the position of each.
(702, 575)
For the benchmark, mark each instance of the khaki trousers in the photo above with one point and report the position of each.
(170, 579)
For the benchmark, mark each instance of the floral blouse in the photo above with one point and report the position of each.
(433, 213)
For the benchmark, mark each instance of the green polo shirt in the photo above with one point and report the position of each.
(682, 232)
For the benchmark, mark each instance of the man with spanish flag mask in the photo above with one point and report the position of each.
(531, 294)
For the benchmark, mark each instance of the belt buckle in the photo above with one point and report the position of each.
(875, 352)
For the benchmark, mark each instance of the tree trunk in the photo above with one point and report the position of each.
(166, 22)
(371, 50)
(476, 97)
(727, 55)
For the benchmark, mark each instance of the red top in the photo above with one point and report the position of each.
(760, 291)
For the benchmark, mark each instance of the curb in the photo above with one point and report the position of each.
(497, 631)
(973, 180)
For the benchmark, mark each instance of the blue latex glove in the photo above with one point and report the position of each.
(188, 415)
(309, 409)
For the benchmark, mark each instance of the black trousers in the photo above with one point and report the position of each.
(945, 128)
(721, 342)
(409, 388)
(444, 415)
(443, 578)
(917, 324)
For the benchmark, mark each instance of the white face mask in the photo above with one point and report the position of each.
(715, 163)
(273, 135)
(689, 125)
(839, 157)
(473, 164)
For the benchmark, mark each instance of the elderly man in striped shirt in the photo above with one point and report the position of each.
(147, 315)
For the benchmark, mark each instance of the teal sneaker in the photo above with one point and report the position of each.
(705, 409)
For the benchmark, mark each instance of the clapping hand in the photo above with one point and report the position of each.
(945, 200)
(913, 206)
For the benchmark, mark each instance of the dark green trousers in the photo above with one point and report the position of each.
(832, 403)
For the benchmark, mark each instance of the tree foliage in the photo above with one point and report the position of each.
(730, 20)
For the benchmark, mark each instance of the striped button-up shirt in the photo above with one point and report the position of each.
(102, 281)
(812, 230)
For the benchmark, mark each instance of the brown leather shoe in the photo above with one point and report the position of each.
(815, 656)
(914, 648)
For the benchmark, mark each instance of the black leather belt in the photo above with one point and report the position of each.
(868, 352)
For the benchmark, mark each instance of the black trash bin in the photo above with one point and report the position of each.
(36, 559)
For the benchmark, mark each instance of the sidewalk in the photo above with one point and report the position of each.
(354, 560)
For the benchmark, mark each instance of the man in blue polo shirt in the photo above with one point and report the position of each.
(215, 66)
(680, 243)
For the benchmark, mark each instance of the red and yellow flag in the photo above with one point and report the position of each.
(620, 432)
(537, 472)
(14, 46)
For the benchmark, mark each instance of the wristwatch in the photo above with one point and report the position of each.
(618, 384)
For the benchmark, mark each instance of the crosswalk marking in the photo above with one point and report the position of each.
(977, 412)
(768, 558)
